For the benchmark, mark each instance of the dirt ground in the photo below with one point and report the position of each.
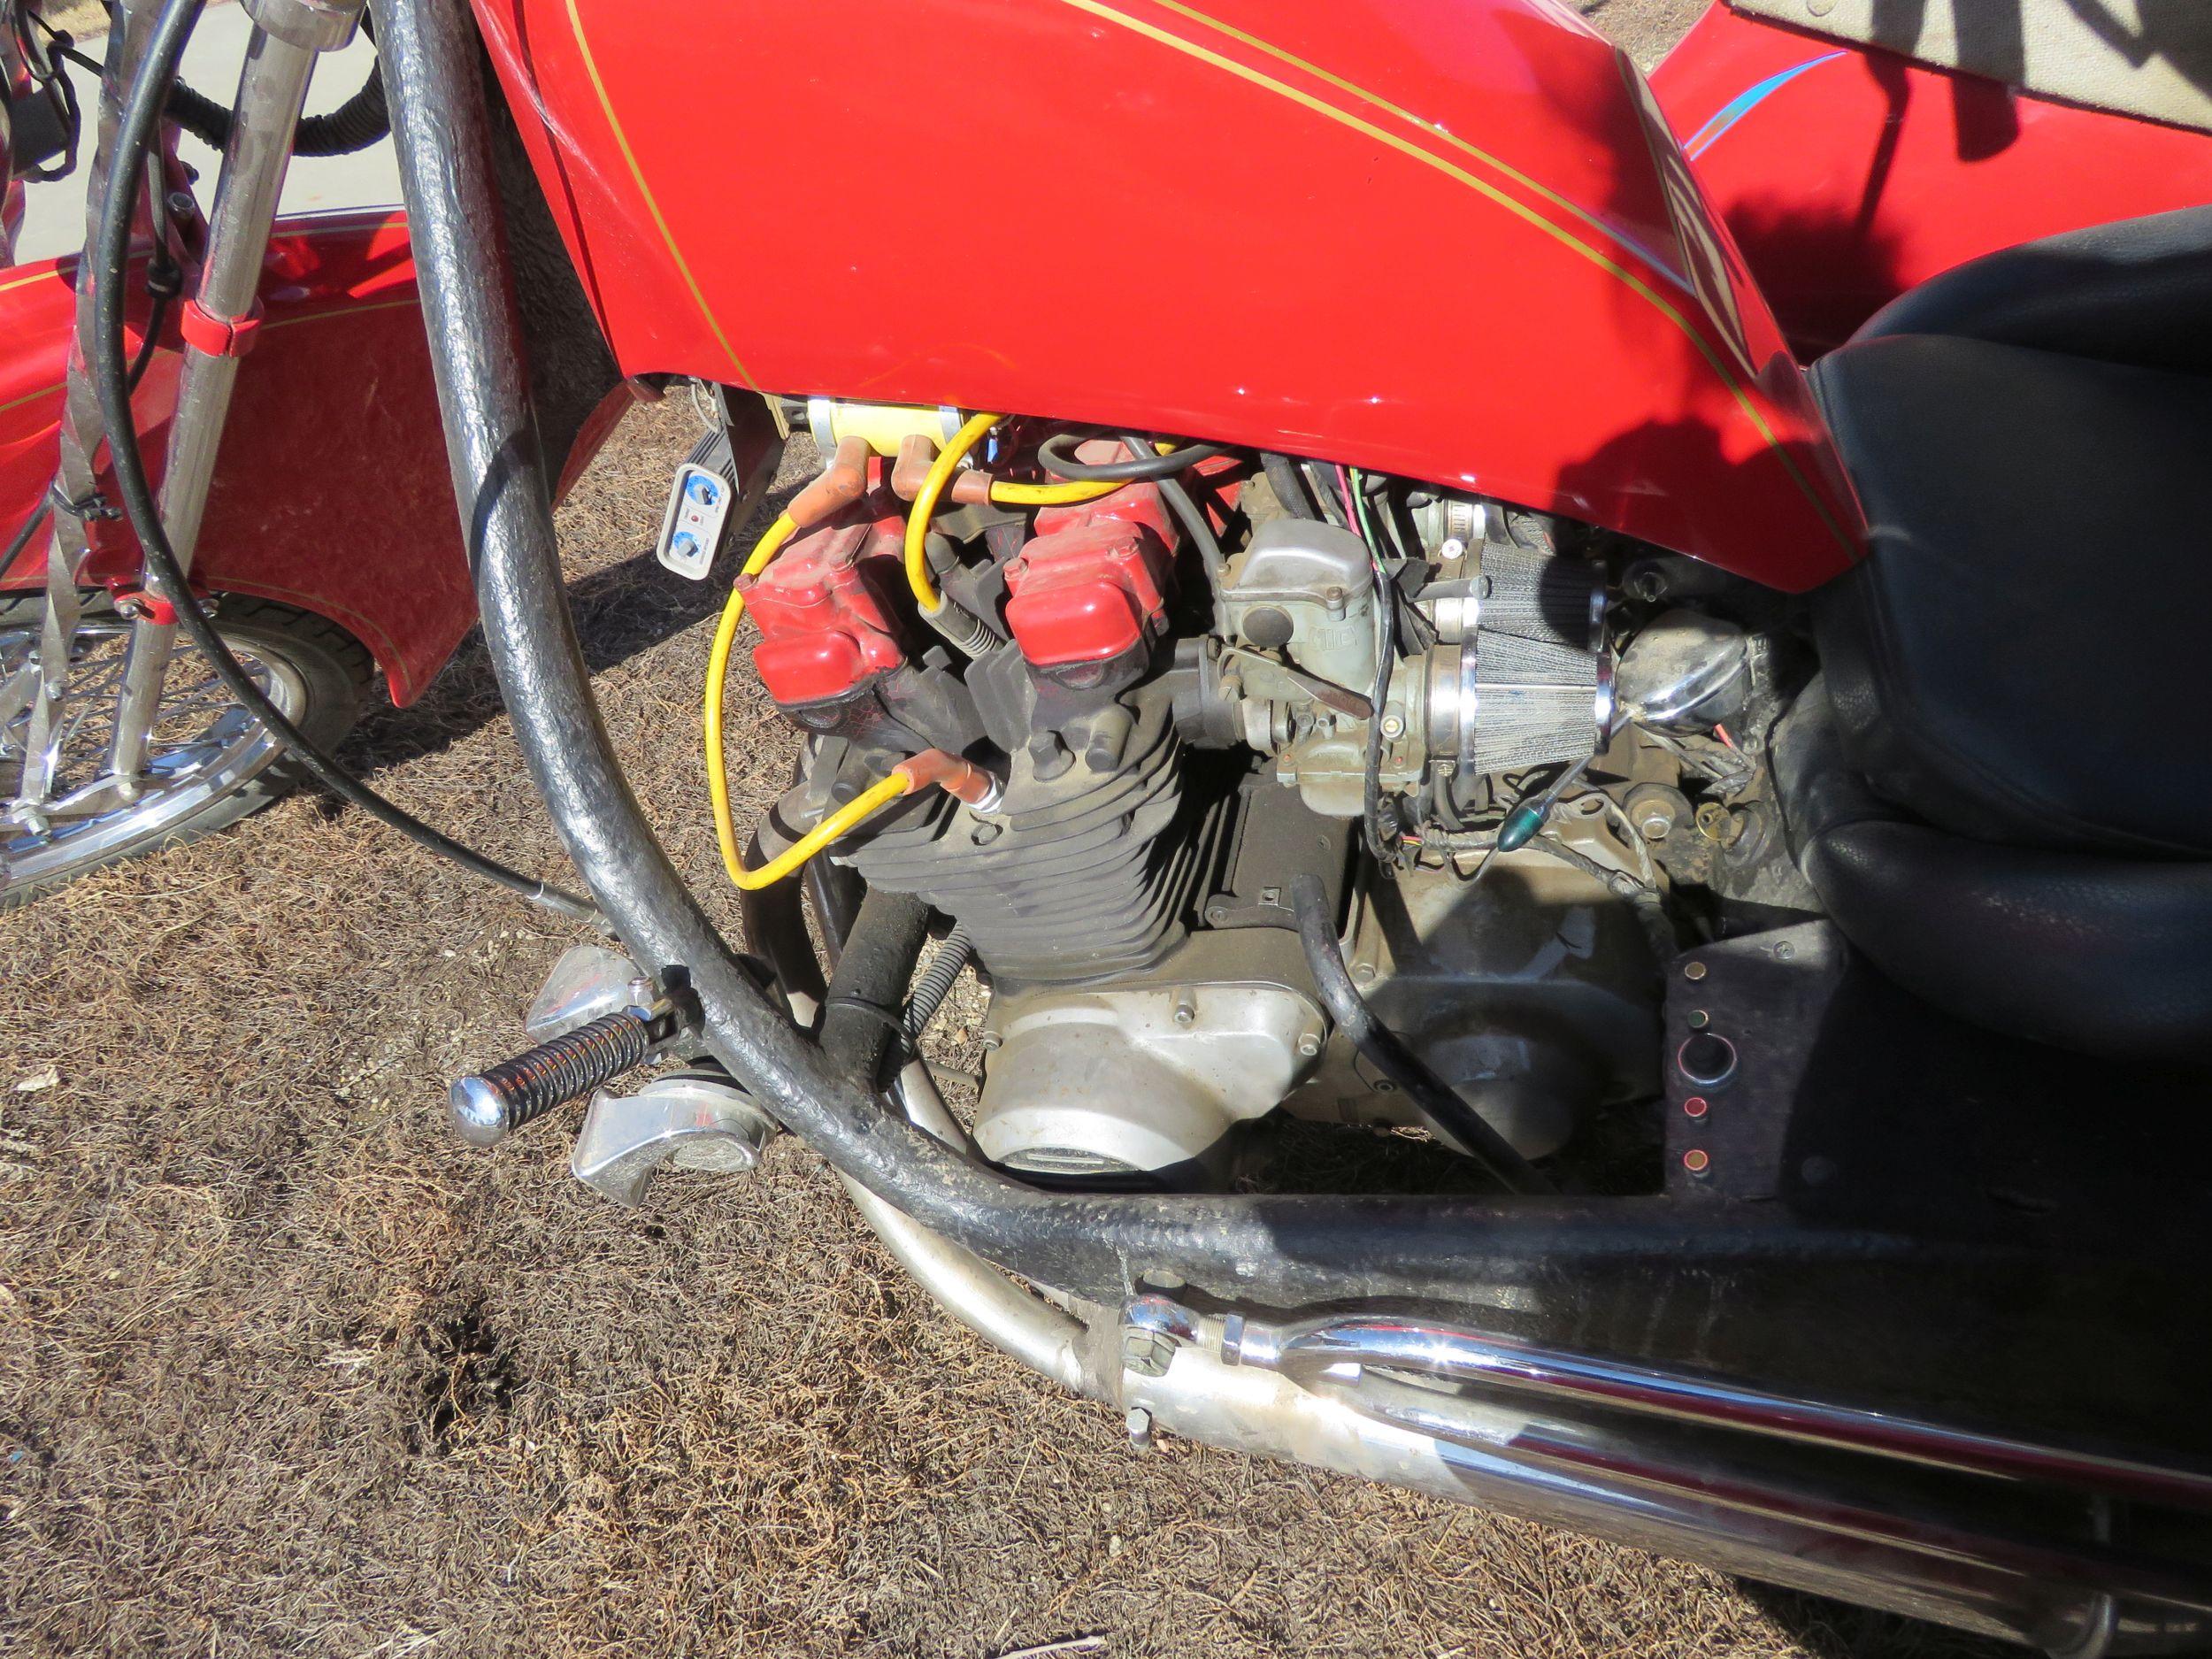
(285, 1369)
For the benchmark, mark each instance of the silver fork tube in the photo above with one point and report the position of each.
(271, 91)
(75, 477)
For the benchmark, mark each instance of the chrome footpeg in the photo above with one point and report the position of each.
(693, 1120)
(596, 1018)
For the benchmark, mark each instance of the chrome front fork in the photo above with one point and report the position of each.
(288, 36)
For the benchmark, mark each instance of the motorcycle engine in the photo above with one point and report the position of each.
(1175, 745)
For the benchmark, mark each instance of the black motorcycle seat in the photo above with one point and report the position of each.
(2083, 950)
(2021, 658)
(2014, 670)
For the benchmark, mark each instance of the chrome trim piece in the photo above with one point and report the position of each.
(1462, 1355)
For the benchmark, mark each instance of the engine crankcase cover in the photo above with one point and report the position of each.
(1149, 1076)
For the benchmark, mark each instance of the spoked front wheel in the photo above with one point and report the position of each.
(209, 764)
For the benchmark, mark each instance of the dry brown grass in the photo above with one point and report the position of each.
(284, 1370)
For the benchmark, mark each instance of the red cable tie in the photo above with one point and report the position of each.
(206, 333)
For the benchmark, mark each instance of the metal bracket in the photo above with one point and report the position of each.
(695, 1120)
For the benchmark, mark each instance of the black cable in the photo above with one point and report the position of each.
(60, 45)
(22, 538)
(1195, 524)
(1381, 1047)
(1289, 484)
(111, 380)
(1381, 840)
(144, 360)
(1141, 466)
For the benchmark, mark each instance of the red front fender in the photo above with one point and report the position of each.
(333, 493)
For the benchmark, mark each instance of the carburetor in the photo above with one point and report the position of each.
(1514, 674)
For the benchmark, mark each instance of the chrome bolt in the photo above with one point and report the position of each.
(1310, 1044)
(1217, 914)
(1364, 973)
(1394, 726)
(1186, 1009)
(1138, 1423)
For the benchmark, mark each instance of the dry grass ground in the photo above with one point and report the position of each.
(284, 1370)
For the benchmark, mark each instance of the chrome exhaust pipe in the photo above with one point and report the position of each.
(1913, 1517)
(2002, 1538)
(1909, 1517)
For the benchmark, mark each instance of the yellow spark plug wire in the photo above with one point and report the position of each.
(1005, 493)
(970, 783)
(717, 674)
(941, 472)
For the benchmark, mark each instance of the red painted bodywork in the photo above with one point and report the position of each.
(1449, 239)
(332, 493)
(1866, 173)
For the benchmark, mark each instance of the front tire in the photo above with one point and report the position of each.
(209, 764)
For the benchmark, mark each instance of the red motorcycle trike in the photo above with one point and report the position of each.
(1556, 710)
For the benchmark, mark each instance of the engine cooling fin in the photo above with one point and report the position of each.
(1071, 878)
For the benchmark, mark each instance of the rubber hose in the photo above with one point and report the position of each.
(1290, 487)
(1382, 1049)
(863, 1012)
(936, 981)
(1192, 519)
(1057, 460)
(363, 119)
